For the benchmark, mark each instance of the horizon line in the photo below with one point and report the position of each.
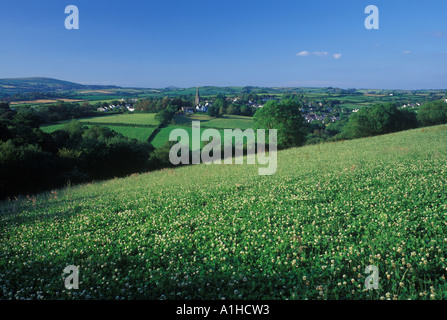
(221, 86)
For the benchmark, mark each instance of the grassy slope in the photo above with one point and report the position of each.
(214, 231)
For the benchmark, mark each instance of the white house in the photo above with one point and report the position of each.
(202, 108)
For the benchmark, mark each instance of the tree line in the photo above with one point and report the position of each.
(293, 131)
(33, 161)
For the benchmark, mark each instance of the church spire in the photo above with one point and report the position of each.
(197, 102)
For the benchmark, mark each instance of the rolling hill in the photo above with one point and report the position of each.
(41, 84)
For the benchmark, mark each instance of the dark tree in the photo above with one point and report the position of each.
(379, 119)
(286, 118)
(433, 113)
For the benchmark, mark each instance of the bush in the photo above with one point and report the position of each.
(34, 161)
(286, 118)
(25, 169)
(379, 119)
(433, 113)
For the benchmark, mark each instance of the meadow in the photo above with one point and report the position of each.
(224, 122)
(224, 232)
(141, 125)
(125, 118)
(185, 122)
(42, 101)
(136, 126)
(162, 136)
(139, 133)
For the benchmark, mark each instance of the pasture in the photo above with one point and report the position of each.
(206, 122)
(126, 118)
(225, 122)
(137, 126)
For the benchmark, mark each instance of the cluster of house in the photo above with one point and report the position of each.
(204, 108)
(310, 117)
(111, 107)
(187, 110)
(254, 105)
(199, 108)
(411, 105)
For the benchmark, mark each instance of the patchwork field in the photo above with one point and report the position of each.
(226, 122)
(137, 126)
(95, 91)
(138, 133)
(43, 101)
(141, 125)
(224, 232)
(162, 136)
(184, 122)
(126, 118)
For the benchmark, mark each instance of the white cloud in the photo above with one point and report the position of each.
(303, 53)
(320, 53)
(337, 56)
(317, 54)
(406, 52)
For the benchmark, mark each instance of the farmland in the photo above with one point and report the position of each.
(41, 101)
(139, 133)
(130, 119)
(184, 122)
(141, 125)
(138, 126)
(60, 90)
(226, 122)
(224, 232)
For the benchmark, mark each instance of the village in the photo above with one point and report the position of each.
(310, 113)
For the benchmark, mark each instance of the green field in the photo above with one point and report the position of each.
(351, 106)
(138, 133)
(53, 127)
(184, 122)
(226, 122)
(136, 126)
(126, 118)
(162, 137)
(224, 232)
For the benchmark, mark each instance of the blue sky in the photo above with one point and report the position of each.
(228, 43)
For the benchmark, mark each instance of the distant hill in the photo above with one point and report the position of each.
(23, 85)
